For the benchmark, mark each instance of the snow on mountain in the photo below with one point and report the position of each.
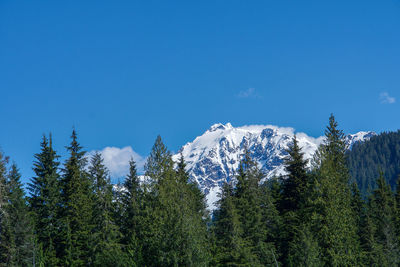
(213, 157)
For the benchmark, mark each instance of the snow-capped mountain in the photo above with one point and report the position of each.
(213, 157)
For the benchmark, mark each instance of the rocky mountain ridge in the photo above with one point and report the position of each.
(214, 157)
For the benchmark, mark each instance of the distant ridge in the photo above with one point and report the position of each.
(213, 157)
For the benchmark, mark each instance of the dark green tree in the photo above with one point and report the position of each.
(295, 184)
(7, 244)
(231, 249)
(106, 250)
(249, 204)
(332, 217)
(44, 202)
(304, 249)
(383, 242)
(293, 203)
(131, 214)
(77, 208)
(159, 161)
(174, 233)
(20, 220)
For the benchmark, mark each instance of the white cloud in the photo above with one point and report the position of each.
(117, 160)
(251, 92)
(386, 98)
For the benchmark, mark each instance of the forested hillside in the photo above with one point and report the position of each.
(71, 215)
(380, 154)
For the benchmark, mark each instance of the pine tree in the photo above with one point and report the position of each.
(231, 249)
(304, 249)
(333, 219)
(295, 184)
(131, 212)
(294, 201)
(383, 241)
(77, 207)
(44, 202)
(7, 244)
(159, 161)
(20, 221)
(248, 201)
(158, 167)
(171, 237)
(191, 209)
(105, 234)
(397, 209)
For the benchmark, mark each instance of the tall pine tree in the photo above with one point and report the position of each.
(20, 221)
(249, 205)
(383, 242)
(7, 244)
(231, 249)
(131, 215)
(333, 218)
(44, 202)
(106, 250)
(293, 203)
(77, 208)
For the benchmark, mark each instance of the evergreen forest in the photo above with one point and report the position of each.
(344, 211)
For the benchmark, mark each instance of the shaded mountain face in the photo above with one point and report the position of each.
(380, 154)
(214, 157)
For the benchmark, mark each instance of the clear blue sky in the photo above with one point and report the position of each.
(123, 72)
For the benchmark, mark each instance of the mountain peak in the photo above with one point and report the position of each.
(220, 126)
(213, 157)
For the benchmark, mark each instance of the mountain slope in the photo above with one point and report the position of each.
(213, 157)
(381, 153)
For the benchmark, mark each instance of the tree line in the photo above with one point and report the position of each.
(74, 216)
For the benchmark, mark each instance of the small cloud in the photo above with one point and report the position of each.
(249, 93)
(386, 98)
(117, 160)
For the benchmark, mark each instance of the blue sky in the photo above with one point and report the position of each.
(123, 72)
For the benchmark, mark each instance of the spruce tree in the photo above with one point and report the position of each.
(248, 201)
(77, 207)
(382, 214)
(171, 237)
(159, 161)
(293, 203)
(231, 249)
(295, 184)
(20, 221)
(44, 202)
(7, 244)
(304, 249)
(131, 212)
(333, 218)
(106, 250)
(191, 209)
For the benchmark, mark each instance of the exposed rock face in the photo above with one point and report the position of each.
(213, 157)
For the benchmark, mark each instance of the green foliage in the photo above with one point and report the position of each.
(367, 159)
(382, 241)
(332, 218)
(131, 214)
(308, 218)
(304, 249)
(293, 205)
(44, 201)
(20, 220)
(7, 244)
(173, 231)
(231, 249)
(77, 208)
(105, 233)
(244, 222)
